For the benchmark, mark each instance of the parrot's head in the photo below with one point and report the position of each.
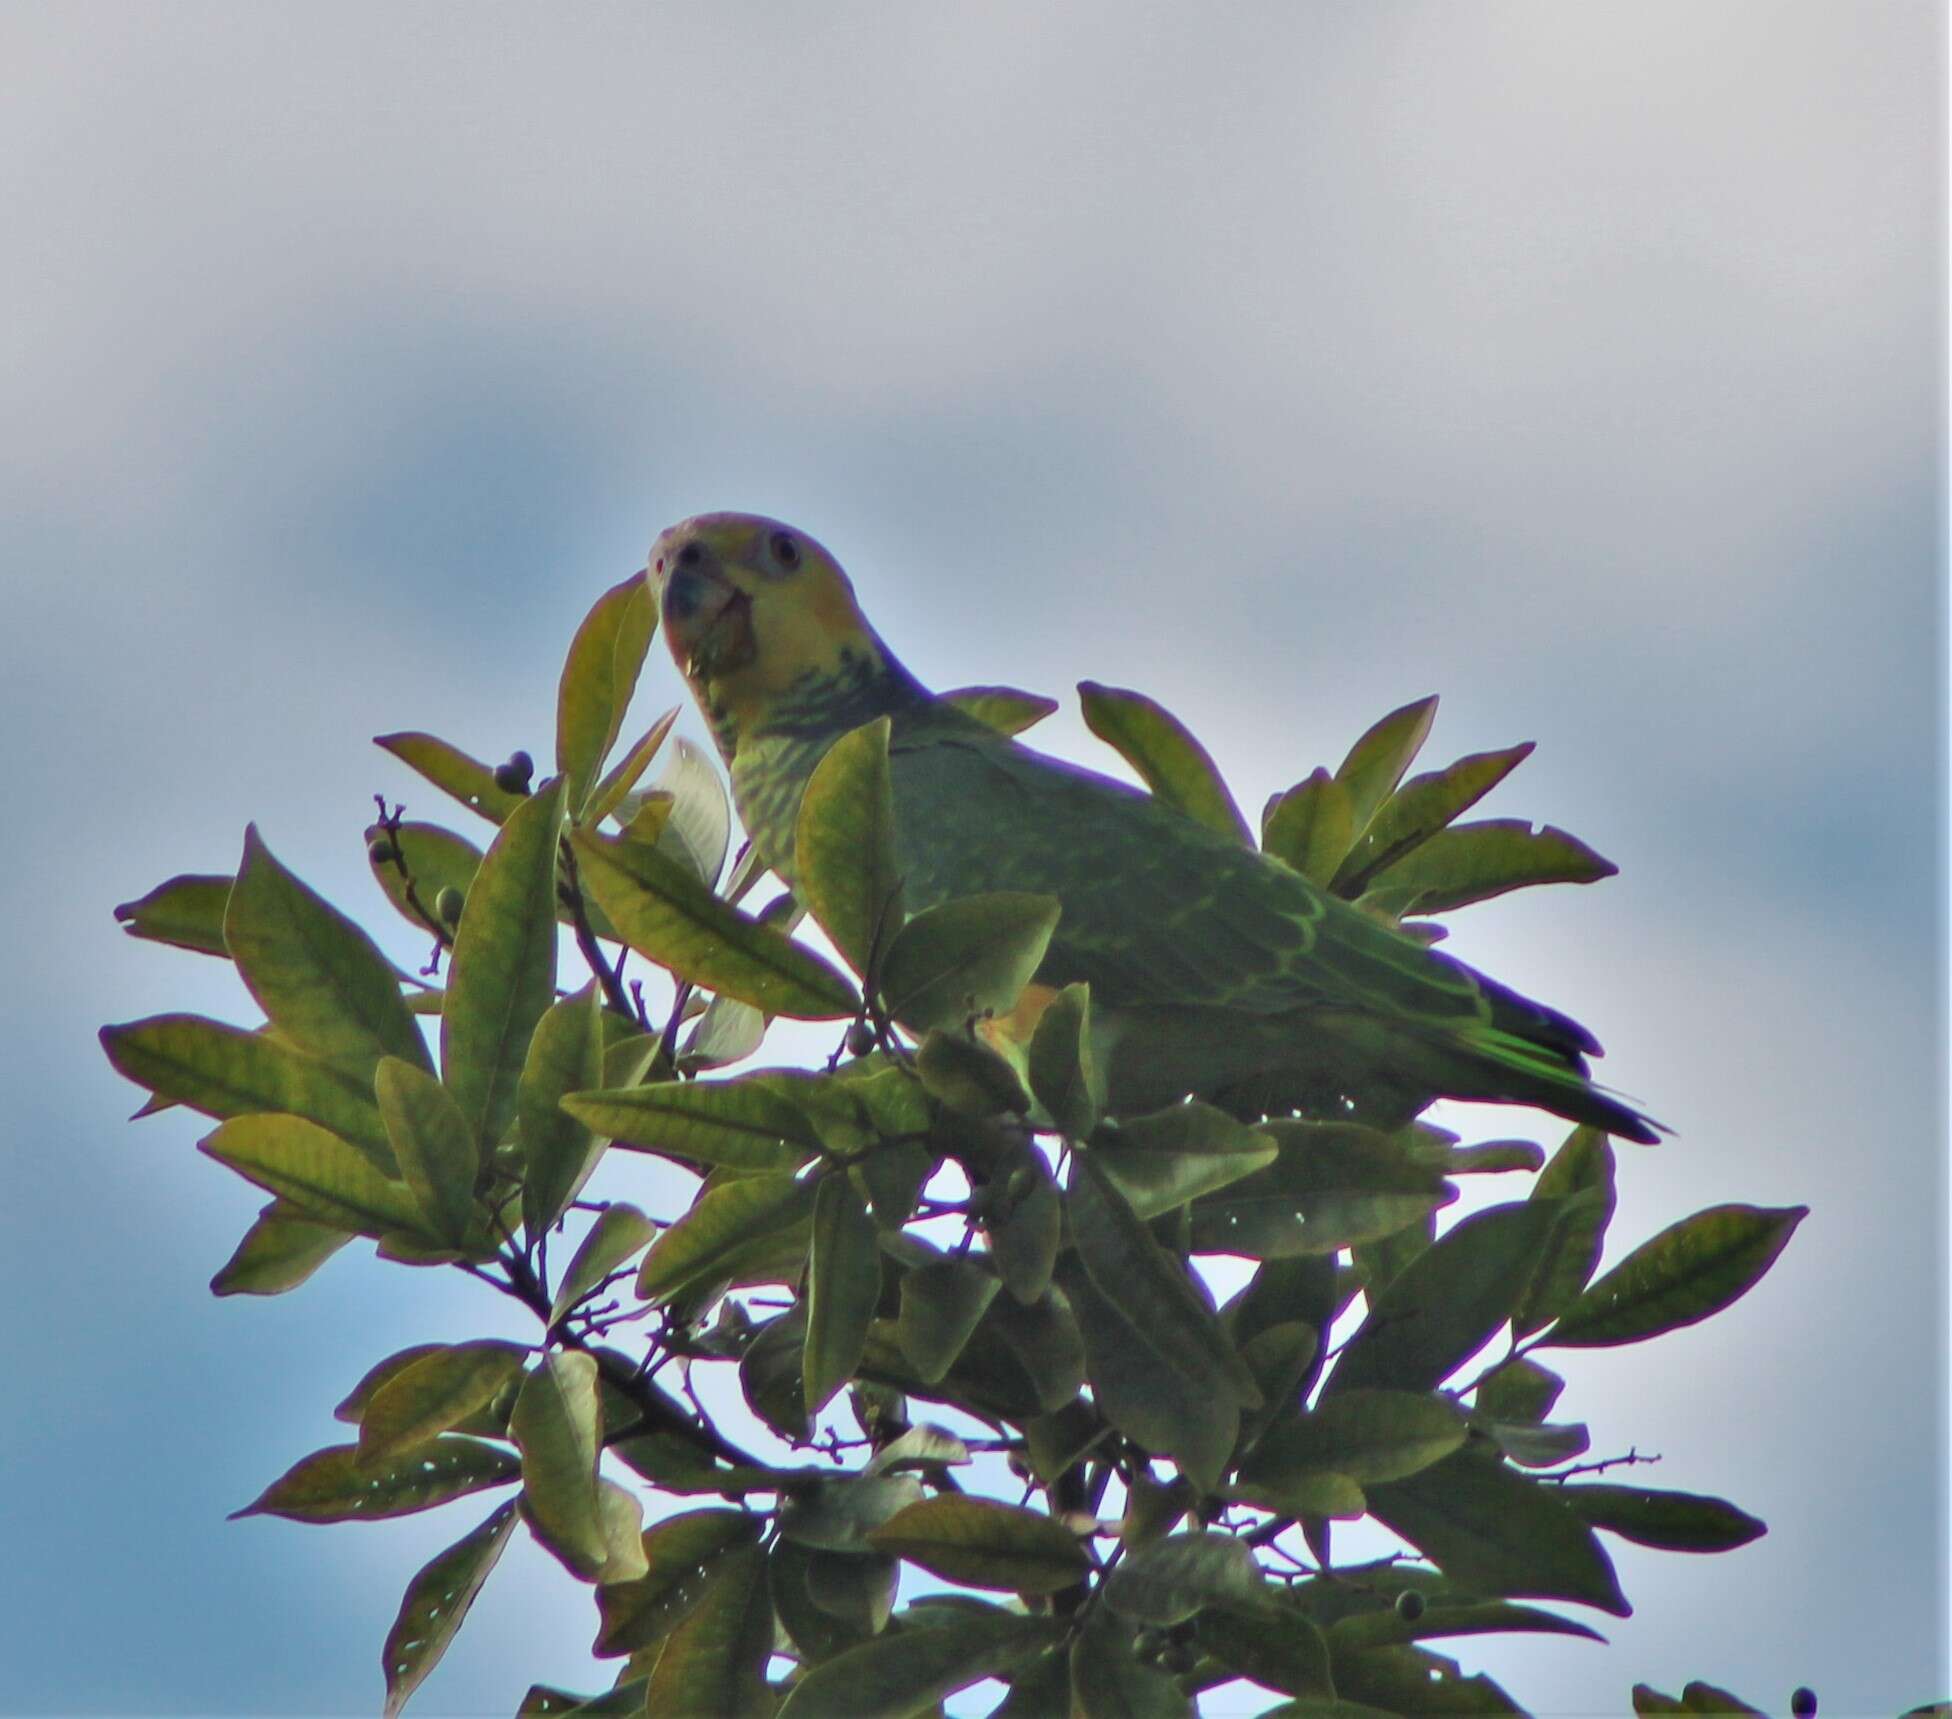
(753, 610)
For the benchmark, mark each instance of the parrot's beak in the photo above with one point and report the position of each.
(708, 621)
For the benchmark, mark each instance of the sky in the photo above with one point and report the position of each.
(1584, 365)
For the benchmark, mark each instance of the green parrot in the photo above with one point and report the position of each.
(1214, 969)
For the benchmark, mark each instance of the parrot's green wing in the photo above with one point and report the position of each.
(1212, 944)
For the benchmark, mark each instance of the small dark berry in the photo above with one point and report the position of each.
(448, 904)
(1409, 1605)
(1802, 1703)
(513, 777)
(860, 1039)
(380, 851)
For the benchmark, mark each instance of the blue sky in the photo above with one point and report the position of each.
(1583, 365)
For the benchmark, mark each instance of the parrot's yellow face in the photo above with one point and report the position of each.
(752, 608)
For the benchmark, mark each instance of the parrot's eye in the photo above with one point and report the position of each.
(690, 555)
(785, 551)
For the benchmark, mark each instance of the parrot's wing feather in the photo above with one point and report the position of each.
(1158, 909)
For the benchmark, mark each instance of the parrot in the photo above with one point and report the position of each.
(1215, 971)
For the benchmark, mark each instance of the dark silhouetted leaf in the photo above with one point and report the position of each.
(1065, 1073)
(1168, 1581)
(941, 1305)
(1161, 1161)
(843, 1285)
(1689, 1271)
(1497, 1534)
(331, 1486)
(1275, 1646)
(1107, 1679)
(983, 1544)
(1672, 1521)
(1580, 1178)
(436, 1604)
(899, 1674)
(1443, 1306)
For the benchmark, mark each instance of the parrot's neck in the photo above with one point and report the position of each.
(772, 757)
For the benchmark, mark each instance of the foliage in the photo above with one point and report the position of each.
(1113, 1493)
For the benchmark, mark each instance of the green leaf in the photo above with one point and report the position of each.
(433, 1394)
(435, 859)
(598, 679)
(1003, 708)
(1376, 762)
(903, 1673)
(1274, 1646)
(315, 1171)
(1065, 1072)
(1151, 1287)
(969, 1077)
(1367, 1436)
(1444, 1614)
(715, 1661)
(844, 846)
(1443, 1306)
(828, 1602)
(434, 1146)
(1671, 1521)
(502, 975)
(942, 1303)
(667, 915)
(608, 794)
(1175, 766)
(839, 1514)
(1026, 1227)
(1698, 1697)
(320, 980)
(843, 1285)
(227, 1072)
(983, 1544)
(698, 829)
(728, 1031)
(279, 1252)
(1044, 1338)
(1518, 1390)
(737, 1123)
(1476, 861)
(186, 912)
(1311, 827)
(1498, 1534)
(619, 1234)
(1413, 1684)
(436, 1604)
(922, 1446)
(1167, 1582)
(1418, 810)
(1107, 1680)
(453, 772)
(559, 1150)
(558, 1425)
(1335, 1185)
(330, 1485)
(966, 958)
(1161, 1161)
(680, 1553)
(1690, 1270)
(1580, 1178)
(1157, 1397)
(723, 1220)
